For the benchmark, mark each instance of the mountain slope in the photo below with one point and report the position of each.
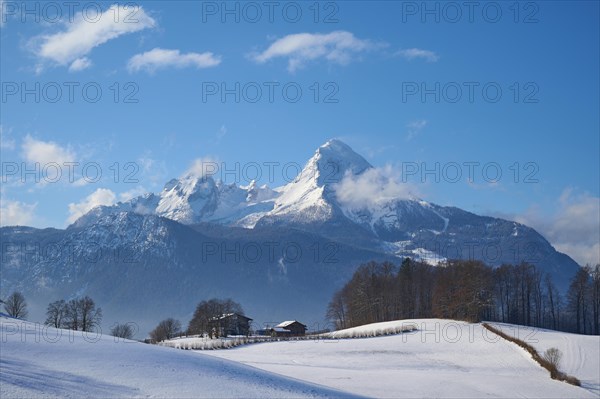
(143, 268)
(317, 201)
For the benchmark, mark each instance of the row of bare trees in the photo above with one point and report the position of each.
(76, 314)
(584, 300)
(80, 314)
(467, 290)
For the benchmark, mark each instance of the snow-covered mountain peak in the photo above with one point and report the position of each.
(332, 161)
(188, 199)
(310, 196)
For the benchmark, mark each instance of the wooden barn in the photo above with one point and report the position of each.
(230, 324)
(292, 328)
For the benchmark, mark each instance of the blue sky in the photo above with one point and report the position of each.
(363, 69)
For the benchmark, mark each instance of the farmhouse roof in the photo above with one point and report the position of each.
(285, 324)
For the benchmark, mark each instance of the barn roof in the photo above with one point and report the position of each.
(284, 324)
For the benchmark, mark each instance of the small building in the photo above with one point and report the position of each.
(230, 324)
(290, 328)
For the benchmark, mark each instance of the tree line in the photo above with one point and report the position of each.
(468, 290)
(79, 314)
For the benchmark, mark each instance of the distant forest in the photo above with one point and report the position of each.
(470, 291)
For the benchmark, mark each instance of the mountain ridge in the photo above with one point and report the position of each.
(281, 252)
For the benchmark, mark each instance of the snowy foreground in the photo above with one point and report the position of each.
(51, 363)
(581, 353)
(441, 359)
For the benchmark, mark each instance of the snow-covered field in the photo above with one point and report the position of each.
(36, 362)
(581, 353)
(442, 359)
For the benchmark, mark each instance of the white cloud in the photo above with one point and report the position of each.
(80, 182)
(572, 228)
(162, 58)
(101, 196)
(15, 213)
(584, 253)
(337, 47)
(416, 53)
(373, 187)
(134, 192)
(44, 152)
(80, 64)
(414, 128)
(6, 143)
(201, 167)
(69, 47)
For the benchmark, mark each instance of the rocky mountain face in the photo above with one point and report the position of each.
(280, 252)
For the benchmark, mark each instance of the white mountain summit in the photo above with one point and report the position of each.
(336, 187)
(194, 199)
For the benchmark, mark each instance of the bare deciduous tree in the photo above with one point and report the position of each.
(553, 302)
(90, 315)
(122, 331)
(553, 356)
(55, 314)
(82, 314)
(16, 306)
(166, 329)
(578, 298)
(336, 311)
(595, 294)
